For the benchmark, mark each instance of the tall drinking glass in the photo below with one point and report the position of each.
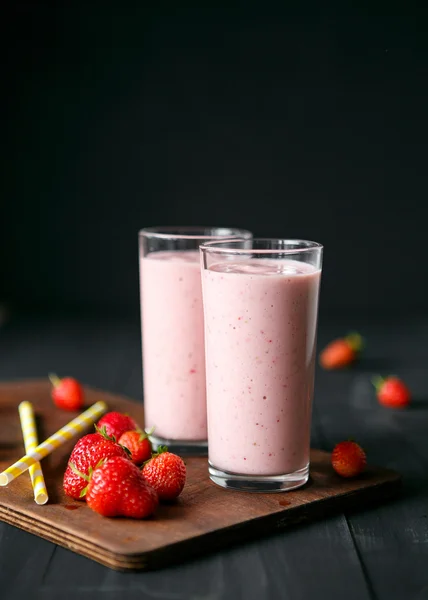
(173, 334)
(261, 304)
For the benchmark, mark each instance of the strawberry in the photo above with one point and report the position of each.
(138, 444)
(116, 423)
(348, 459)
(391, 391)
(118, 488)
(67, 393)
(166, 472)
(86, 454)
(341, 352)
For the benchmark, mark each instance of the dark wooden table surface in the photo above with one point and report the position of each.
(381, 553)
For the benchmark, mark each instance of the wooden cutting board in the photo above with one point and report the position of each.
(206, 517)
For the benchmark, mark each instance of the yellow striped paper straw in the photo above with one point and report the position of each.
(29, 433)
(76, 426)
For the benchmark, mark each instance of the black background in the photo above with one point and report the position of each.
(310, 124)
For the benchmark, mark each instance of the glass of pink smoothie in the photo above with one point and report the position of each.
(173, 334)
(260, 303)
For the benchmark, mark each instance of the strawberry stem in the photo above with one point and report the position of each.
(54, 379)
(83, 492)
(77, 472)
(103, 432)
(145, 435)
(378, 381)
(355, 340)
(160, 450)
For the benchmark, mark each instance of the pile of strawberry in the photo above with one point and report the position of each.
(117, 473)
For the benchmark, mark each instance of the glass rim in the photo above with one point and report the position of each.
(194, 233)
(226, 246)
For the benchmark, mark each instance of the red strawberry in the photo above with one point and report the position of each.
(348, 459)
(118, 488)
(86, 454)
(67, 393)
(116, 423)
(138, 444)
(342, 352)
(166, 472)
(391, 392)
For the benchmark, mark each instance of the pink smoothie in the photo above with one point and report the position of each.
(260, 329)
(173, 345)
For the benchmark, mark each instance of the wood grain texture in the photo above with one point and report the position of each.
(205, 517)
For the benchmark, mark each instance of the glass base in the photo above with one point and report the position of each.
(259, 483)
(181, 447)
